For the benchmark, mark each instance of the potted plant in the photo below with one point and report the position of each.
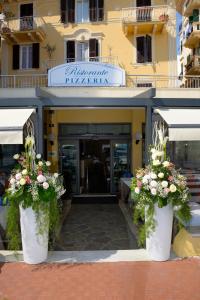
(33, 196)
(164, 18)
(159, 191)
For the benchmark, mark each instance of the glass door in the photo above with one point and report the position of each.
(121, 162)
(69, 164)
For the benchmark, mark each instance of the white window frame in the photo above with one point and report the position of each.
(87, 50)
(27, 46)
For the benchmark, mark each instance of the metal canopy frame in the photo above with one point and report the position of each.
(149, 103)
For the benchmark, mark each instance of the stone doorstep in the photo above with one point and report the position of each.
(72, 257)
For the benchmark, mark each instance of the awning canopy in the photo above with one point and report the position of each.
(11, 125)
(184, 124)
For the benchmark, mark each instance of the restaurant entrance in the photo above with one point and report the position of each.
(93, 163)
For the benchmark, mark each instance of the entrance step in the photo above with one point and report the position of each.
(94, 199)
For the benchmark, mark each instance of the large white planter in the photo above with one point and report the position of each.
(158, 243)
(34, 245)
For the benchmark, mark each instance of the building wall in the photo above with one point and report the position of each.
(113, 41)
(136, 117)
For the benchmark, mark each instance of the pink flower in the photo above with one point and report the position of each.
(166, 190)
(170, 178)
(39, 172)
(28, 180)
(139, 183)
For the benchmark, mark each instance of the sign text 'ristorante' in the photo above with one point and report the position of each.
(86, 74)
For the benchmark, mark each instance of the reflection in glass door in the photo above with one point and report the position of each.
(69, 165)
(121, 162)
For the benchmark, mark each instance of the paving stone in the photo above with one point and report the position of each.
(95, 227)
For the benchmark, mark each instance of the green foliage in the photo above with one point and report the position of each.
(31, 185)
(159, 183)
(13, 226)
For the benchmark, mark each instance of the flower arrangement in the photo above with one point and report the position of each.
(32, 185)
(159, 183)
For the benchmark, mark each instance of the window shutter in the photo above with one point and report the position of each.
(196, 15)
(93, 10)
(70, 51)
(15, 57)
(93, 48)
(140, 49)
(71, 11)
(148, 46)
(100, 10)
(36, 56)
(63, 9)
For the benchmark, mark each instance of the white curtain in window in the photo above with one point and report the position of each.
(82, 51)
(26, 56)
(82, 11)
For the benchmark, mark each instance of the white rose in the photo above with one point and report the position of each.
(161, 175)
(147, 176)
(12, 181)
(154, 156)
(22, 181)
(38, 156)
(56, 175)
(164, 184)
(153, 184)
(153, 176)
(172, 188)
(153, 191)
(137, 190)
(166, 164)
(153, 150)
(41, 178)
(16, 156)
(156, 162)
(18, 176)
(145, 181)
(40, 163)
(48, 163)
(24, 172)
(45, 185)
(160, 153)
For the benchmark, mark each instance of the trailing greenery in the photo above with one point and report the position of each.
(31, 185)
(158, 184)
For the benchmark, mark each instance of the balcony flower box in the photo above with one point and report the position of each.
(164, 18)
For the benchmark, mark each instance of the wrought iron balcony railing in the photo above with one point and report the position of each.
(21, 24)
(145, 14)
(134, 81)
(48, 64)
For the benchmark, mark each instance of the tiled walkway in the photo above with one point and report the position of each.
(95, 227)
(173, 280)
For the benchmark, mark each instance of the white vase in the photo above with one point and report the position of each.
(34, 245)
(158, 244)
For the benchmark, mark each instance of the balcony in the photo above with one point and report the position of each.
(23, 30)
(133, 81)
(190, 6)
(145, 19)
(193, 36)
(51, 63)
(193, 65)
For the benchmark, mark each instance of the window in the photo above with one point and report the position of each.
(82, 51)
(144, 49)
(81, 11)
(26, 56)
(26, 16)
